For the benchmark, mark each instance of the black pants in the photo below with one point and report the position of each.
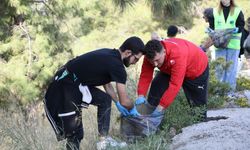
(196, 90)
(63, 101)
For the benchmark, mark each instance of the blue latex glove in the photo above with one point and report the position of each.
(156, 117)
(236, 30)
(140, 100)
(122, 109)
(133, 112)
(157, 113)
(209, 30)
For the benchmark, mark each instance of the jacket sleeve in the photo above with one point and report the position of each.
(240, 22)
(211, 21)
(145, 77)
(177, 75)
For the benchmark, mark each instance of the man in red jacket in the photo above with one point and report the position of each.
(181, 63)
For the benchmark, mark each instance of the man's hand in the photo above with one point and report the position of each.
(157, 116)
(140, 100)
(133, 112)
(122, 109)
(159, 111)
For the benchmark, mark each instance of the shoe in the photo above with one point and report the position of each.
(109, 142)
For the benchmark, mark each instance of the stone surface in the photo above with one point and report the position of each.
(229, 134)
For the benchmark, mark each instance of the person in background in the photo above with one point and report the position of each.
(244, 35)
(241, 59)
(207, 42)
(172, 31)
(208, 14)
(155, 36)
(181, 64)
(74, 87)
(227, 16)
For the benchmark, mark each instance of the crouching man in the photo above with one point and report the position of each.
(74, 87)
(181, 64)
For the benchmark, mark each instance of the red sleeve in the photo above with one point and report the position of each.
(177, 74)
(145, 77)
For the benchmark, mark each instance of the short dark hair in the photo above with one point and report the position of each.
(172, 31)
(135, 44)
(208, 12)
(152, 47)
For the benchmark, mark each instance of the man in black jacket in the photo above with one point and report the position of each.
(74, 87)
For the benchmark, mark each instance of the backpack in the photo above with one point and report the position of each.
(246, 47)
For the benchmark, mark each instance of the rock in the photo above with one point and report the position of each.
(172, 132)
(247, 95)
(232, 133)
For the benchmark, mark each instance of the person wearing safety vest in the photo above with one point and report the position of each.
(227, 16)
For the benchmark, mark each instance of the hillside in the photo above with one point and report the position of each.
(51, 34)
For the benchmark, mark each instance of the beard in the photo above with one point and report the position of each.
(126, 61)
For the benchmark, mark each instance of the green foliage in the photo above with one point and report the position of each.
(164, 9)
(215, 101)
(242, 102)
(180, 114)
(217, 90)
(160, 142)
(123, 3)
(216, 87)
(180, 10)
(243, 84)
(29, 49)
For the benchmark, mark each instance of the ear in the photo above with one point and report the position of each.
(128, 52)
(163, 50)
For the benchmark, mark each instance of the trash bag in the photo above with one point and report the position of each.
(221, 37)
(141, 126)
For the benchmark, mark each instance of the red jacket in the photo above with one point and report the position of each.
(184, 60)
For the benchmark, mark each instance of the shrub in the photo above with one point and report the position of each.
(180, 114)
(243, 84)
(242, 102)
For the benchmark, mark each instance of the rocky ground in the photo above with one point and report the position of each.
(232, 133)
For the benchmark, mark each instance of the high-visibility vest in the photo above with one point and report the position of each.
(220, 23)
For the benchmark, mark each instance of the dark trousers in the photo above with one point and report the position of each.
(196, 91)
(63, 103)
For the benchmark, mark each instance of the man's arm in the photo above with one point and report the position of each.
(123, 98)
(211, 21)
(110, 90)
(145, 79)
(177, 74)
